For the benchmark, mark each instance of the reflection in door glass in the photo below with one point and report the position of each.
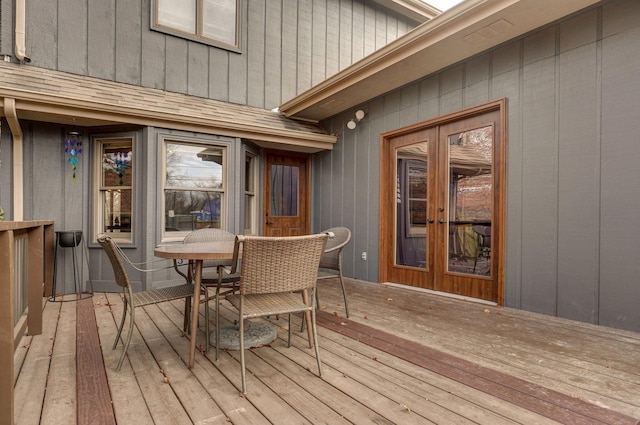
(470, 201)
(411, 205)
(284, 190)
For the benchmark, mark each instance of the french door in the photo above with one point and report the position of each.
(442, 204)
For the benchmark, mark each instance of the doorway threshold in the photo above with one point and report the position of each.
(439, 293)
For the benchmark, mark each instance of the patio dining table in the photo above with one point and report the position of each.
(196, 253)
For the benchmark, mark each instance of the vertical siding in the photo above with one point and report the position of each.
(101, 36)
(73, 18)
(579, 176)
(539, 174)
(287, 46)
(620, 178)
(573, 180)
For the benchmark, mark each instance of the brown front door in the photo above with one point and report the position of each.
(442, 204)
(286, 197)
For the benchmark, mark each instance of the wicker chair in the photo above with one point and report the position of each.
(331, 262)
(273, 270)
(138, 299)
(211, 275)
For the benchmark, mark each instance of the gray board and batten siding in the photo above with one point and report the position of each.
(287, 46)
(573, 155)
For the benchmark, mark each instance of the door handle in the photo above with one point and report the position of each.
(429, 220)
(441, 220)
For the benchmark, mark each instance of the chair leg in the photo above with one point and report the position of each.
(344, 295)
(124, 315)
(242, 364)
(307, 316)
(315, 340)
(132, 321)
(289, 339)
(206, 316)
(187, 314)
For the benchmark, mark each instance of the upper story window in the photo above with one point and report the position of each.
(212, 22)
(194, 188)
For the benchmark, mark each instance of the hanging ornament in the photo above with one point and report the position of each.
(121, 163)
(73, 148)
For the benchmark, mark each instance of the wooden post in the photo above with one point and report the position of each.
(36, 280)
(6, 326)
(49, 241)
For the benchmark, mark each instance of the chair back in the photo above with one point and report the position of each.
(332, 256)
(210, 235)
(280, 264)
(112, 249)
(484, 235)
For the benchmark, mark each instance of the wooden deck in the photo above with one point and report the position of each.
(404, 357)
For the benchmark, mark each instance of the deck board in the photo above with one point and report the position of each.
(405, 357)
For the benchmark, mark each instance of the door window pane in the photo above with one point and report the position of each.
(470, 201)
(284, 190)
(411, 205)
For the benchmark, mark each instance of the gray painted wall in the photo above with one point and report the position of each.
(573, 180)
(287, 45)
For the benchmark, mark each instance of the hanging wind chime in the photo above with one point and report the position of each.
(73, 148)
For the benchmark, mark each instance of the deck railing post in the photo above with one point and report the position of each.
(39, 265)
(7, 344)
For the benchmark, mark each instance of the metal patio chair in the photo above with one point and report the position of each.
(138, 299)
(274, 272)
(331, 262)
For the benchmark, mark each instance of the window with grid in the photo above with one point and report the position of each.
(194, 188)
(212, 22)
(114, 197)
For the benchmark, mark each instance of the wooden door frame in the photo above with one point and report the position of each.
(386, 175)
(265, 174)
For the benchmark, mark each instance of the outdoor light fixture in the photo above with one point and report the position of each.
(353, 122)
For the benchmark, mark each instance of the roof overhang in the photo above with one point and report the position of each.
(416, 10)
(57, 97)
(465, 30)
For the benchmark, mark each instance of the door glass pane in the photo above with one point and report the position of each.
(470, 201)
(284, 190)
(411, 205)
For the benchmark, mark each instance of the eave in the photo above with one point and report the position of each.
(58, 97)
(463, 31)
